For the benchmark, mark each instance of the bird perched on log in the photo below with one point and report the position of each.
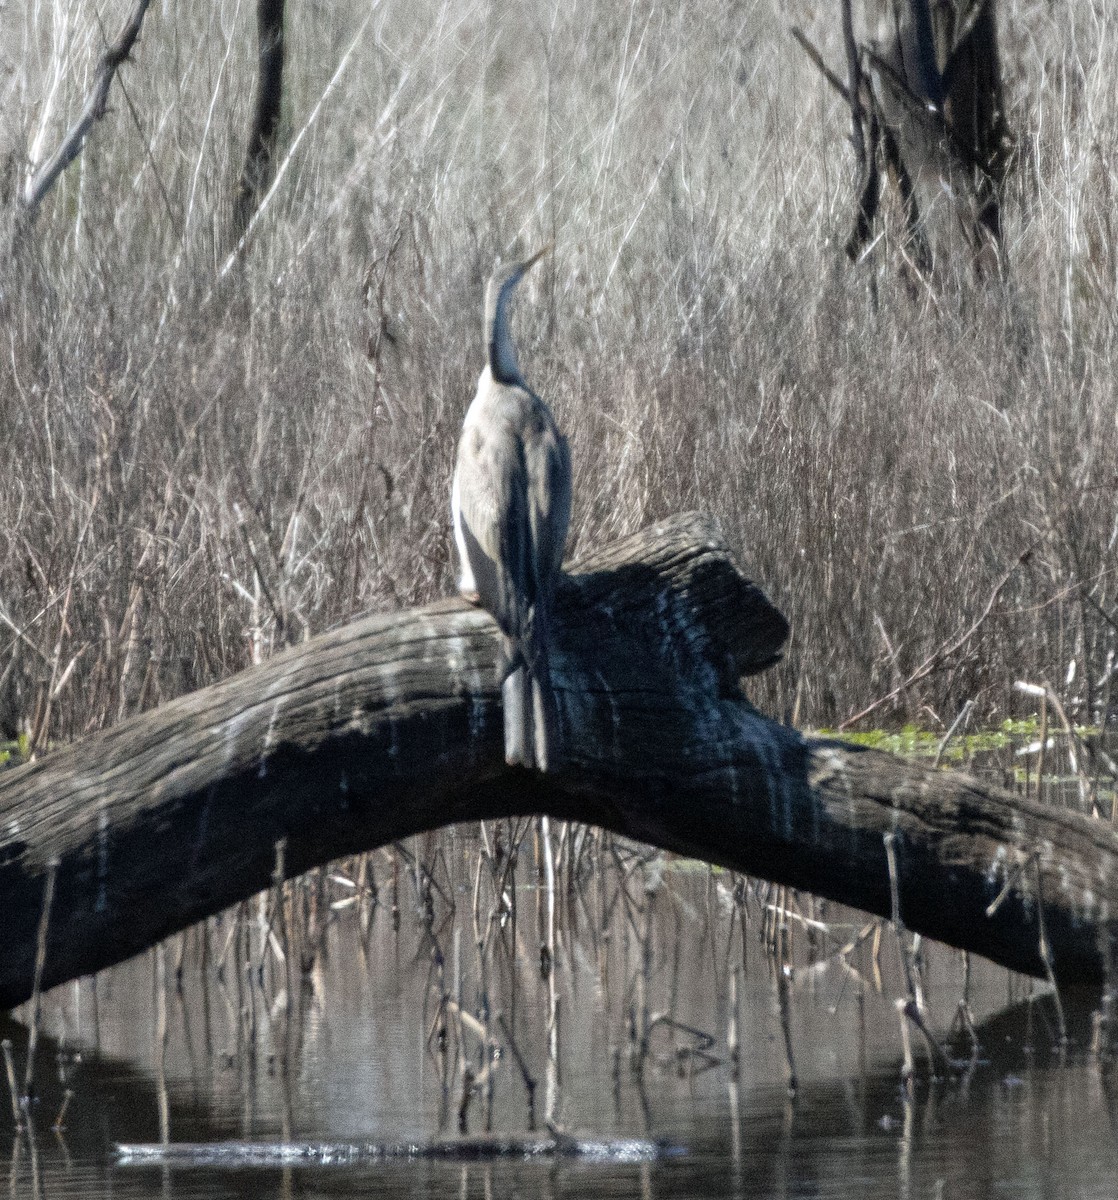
(511, 502)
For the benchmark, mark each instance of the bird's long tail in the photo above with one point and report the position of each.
(532, 733)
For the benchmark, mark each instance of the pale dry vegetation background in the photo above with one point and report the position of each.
(199, 467)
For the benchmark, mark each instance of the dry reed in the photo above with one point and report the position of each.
(202, 469)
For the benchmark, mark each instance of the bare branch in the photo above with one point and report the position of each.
(42, 180)
(812, 52)
(854, 95)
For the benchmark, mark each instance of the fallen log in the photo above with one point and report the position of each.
(392, 725)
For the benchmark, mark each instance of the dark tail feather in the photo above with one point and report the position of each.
(532, 737)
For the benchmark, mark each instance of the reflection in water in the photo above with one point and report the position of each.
(639, 995)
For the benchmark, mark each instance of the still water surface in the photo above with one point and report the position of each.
(365, 1052)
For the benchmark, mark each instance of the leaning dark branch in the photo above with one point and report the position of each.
(44, 177)
(392, 725)
(256, 175)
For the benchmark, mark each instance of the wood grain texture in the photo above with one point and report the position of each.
(392, 725)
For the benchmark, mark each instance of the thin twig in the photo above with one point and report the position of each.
(1046, 952)
(59, 1121)
(13, 1087)
(526, 1075)
(817, 58)
(895, 903)
(36, 988)
(1043, 945)
(961, 719)
(910, 1008)
(945, 651)
(1048, 696)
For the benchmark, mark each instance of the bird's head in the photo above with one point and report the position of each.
(498, 332)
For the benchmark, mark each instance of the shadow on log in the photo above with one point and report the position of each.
(392, 725)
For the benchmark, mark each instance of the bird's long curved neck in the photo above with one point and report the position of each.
(502, 353)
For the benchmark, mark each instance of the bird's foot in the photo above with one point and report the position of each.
(471, 597)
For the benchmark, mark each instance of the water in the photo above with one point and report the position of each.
(355, 1055)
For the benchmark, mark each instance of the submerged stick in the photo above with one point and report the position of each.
(13, 1089)
(328, 1154)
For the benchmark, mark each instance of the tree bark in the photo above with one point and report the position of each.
(257, 172)
(392, 725)
(927, 107)
(952, 140)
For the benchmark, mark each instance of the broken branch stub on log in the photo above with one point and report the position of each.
(392, 725)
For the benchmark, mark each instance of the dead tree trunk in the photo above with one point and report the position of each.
(928, 113)
(939, 90)
(392, 725)
(256, 175)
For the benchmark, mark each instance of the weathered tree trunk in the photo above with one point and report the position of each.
(392, 725)
(928, 108)
(256, 175)
(942, 103)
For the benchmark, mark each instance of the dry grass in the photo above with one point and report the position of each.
(200, 467)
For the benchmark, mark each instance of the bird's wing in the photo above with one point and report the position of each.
(548, 464)
(493, 501)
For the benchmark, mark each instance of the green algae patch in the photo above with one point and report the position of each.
(912, 741)
(13, 754)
